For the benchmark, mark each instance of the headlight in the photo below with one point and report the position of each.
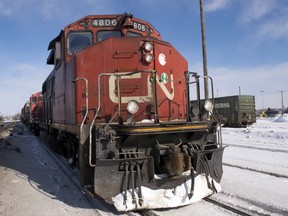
(132, 106)
(208, 105)
(148, 47)
(148, 57)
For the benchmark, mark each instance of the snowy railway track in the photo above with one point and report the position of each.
(242, 212)
(104, 208)
(256, 170)
(95, 201)
(98, 203)
(254, 181)
(258, 148)
(243, 206)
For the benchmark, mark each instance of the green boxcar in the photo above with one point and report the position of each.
(234, 111)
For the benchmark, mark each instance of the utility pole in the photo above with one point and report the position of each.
(205, 70)
(262, 99)
(282, 105)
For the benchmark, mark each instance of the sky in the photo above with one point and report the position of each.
(247, 42)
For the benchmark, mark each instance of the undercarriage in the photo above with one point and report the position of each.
(127, 163)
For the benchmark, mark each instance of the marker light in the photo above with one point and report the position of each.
(148, 47)
(148, 57)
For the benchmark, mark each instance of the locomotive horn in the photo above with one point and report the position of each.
(128, 23)
(125, 20)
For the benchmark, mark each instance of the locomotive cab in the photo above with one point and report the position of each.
(123, 94)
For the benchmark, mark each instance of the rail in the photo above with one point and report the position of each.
(200, 116)
(118, 77)
(188, 83)
(228, 207)
(86, 100)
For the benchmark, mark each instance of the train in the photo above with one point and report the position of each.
(1, 120)
(234, 111)
(117, 106)
(31, 112)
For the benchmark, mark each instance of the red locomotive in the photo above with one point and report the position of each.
(117, 105)
(32, 111)
(25, 113)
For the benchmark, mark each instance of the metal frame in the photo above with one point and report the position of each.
(118, 77)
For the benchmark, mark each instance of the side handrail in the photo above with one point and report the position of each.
(86, 100)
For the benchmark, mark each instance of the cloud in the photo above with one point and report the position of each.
(267, 78)
(16, 7)
(21, 80)
(54, 9)
(257, 9)
(214, 5)
(48, 9)
(276, 29)
(5, 10)
(249, 81)
(268, 18)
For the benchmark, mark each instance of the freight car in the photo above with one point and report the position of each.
(117, 106)
(1, 120)
(25, 113)
(235, 111)
(35, 113)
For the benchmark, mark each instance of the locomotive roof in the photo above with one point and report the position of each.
(112, 21)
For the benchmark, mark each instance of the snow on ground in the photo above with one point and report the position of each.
(269, 133)
(263, 193)
(32, 183)
(262, 146)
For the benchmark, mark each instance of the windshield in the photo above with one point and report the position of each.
(77, 41)
(133, 34)
(102, 35)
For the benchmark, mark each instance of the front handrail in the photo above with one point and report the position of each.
(214, 115)
(119, 102)
(196, 76)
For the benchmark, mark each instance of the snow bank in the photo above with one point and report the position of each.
(283, 118)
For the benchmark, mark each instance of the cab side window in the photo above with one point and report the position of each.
(78, 41)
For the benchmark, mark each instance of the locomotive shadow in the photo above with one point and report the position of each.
(26, 159)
